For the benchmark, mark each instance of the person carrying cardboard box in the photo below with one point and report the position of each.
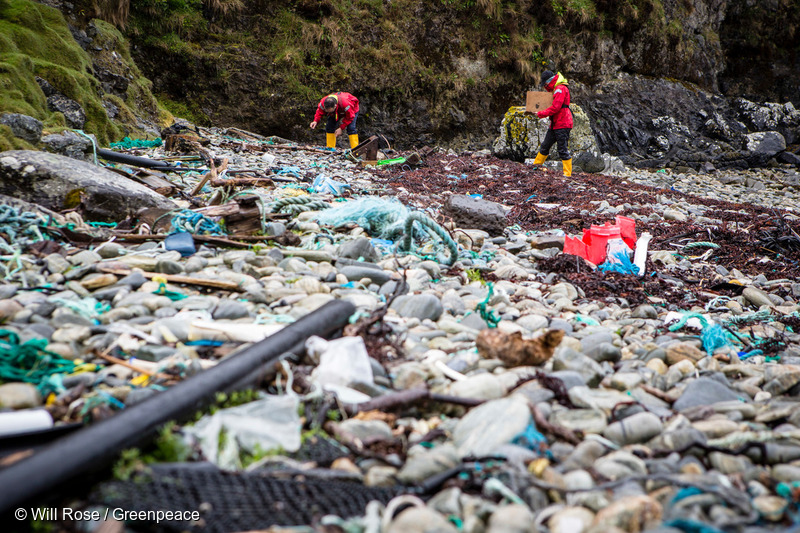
(560, 120)
(342, 112)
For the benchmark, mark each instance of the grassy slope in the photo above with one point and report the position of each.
(418, 65)
(35, 41)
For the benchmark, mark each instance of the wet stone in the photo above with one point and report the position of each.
(19, 396)
(230, 310)
(569, 359)
(420, 306)
(586, 420)
(704, 391)
(634, 429)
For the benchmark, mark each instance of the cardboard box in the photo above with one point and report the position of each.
(538, 101)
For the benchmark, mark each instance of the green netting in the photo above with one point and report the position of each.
(128, 143)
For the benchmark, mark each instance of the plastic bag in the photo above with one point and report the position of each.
(341, 361)
(266, 424)
(615, 248)
(324, 185)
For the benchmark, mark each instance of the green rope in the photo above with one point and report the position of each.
(102, 224)
(172, 295)
(298, 204)
(758, 316)
(29, 362)
(91, 140)
(489, 316)
(701, 244)
(426, 222)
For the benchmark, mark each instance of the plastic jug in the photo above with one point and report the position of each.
(596, 239)
(593, 246)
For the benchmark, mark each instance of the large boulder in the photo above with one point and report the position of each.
(522, 134)
(764, 145)
(70, 144)
(658, 122)
(57, 182)
(22, 126)
(475, 213)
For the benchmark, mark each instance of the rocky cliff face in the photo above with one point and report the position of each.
(447, 71)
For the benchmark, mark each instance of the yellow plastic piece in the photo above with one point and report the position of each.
(331, 137)
(353, 140)
(537, 466)
(140, 380)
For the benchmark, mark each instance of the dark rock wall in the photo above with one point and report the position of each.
(451, 70)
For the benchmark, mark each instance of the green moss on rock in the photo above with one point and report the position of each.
(35, 41)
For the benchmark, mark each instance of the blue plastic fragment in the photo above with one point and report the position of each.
(180, 241)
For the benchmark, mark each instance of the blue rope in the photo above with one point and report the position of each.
(190, 221)
(416, 216)
(22, 227)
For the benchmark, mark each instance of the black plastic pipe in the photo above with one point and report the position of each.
(129, 159)
(97, 445)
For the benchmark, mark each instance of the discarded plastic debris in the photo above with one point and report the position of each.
(127, 143)
(713, 335)
(379, 217)
(181, 241)
(620, 262)
(324, 185)
(25, 421)
(342, 361)
(194, 222)
(256, 427)
(231, 331)
(593, 246)
(434, 228)
(640, 253)
(29, 361)
(394, 161)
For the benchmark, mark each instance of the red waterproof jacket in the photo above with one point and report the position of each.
(345, 110)
(559, 113)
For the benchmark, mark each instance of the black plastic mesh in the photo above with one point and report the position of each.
(236, 501)
(320, 449)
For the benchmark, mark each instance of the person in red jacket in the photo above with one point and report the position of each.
(560, 120)
(342, 112)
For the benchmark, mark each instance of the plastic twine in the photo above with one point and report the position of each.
(162, 290)
(713, 336)
(29, 362)
(489, 316)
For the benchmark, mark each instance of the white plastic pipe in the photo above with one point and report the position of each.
(25, 421)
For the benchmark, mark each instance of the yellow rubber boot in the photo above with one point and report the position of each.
(353, 140)
(331, 140)
(540, 158)
(567, 167)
